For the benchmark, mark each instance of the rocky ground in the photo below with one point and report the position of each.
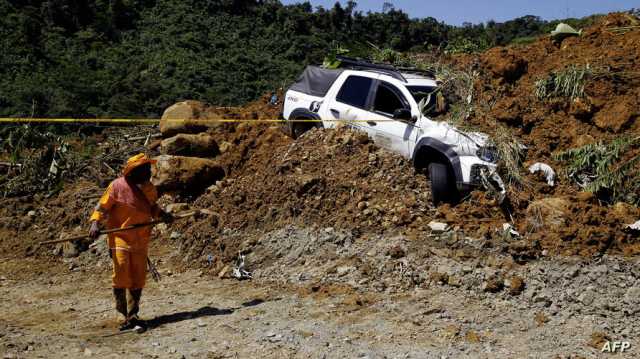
(438, 307)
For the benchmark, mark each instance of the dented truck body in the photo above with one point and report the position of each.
(387, 105)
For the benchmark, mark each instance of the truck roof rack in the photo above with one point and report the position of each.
(395, 72)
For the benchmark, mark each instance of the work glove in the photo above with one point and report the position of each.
(94, 231)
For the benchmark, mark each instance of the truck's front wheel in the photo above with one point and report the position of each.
(443, 189)
(298, 128)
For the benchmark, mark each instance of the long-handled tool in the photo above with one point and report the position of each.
(106, 231)
(114, 230)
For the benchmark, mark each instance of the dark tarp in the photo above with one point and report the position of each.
(315, 81)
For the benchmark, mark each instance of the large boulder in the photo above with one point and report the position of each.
(200, 145)
(185, 174)
(548, 213)
(185, 117)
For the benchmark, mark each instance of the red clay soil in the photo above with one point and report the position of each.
(505, 95)
(337, 178)
(611, 105)
(331, 178)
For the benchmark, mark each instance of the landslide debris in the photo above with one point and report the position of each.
(555, 98)
(601, 65)
(339, 179)
(335, 178)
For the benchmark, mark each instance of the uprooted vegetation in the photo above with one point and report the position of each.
(568, 83)
(511, 153)
(42, 159)
(611, 170)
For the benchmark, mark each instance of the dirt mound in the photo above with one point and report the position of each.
(25, 221)
(332, 176)
(327, 177)
(505, 64)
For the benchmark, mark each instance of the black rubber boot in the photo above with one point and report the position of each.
(134, 303)
(121, 306)
(134, 308)
(121, 300)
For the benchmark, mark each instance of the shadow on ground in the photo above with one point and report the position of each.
(202, 312)
(180, 316)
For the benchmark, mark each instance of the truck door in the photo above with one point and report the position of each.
(388, 132)
(350, 102)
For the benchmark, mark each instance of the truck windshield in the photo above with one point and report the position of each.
(425, 96)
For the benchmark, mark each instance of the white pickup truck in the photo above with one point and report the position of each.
(386, 103)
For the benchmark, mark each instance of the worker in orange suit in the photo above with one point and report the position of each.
(130, 199)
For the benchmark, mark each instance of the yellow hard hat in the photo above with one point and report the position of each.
(136, 161)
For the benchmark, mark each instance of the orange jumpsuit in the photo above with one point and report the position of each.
(122, 206)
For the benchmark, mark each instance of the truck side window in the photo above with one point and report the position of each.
(387, 100)
(355, 90)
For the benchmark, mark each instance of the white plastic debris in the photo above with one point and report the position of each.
(438, 227)
(548, 172)
(238, 271)
(564, 30)
(634, 226)
(508, 228)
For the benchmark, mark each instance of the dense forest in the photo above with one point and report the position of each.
(100, 58)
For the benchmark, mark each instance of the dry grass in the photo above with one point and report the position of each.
(568, 83)
(511, 153)
(457, 86)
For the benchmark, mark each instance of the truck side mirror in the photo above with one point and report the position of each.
(402, 114)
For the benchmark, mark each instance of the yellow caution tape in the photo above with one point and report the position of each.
(151, 121)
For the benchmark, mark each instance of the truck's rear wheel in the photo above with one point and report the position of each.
(443, 188)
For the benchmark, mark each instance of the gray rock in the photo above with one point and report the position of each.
(632, 296)
(572, 272)
(343, 270)
(176, 207)
(438, 227)
(598, 272)
(544, 297)
(587, 297)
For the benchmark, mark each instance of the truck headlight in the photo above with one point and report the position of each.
(488, 154)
